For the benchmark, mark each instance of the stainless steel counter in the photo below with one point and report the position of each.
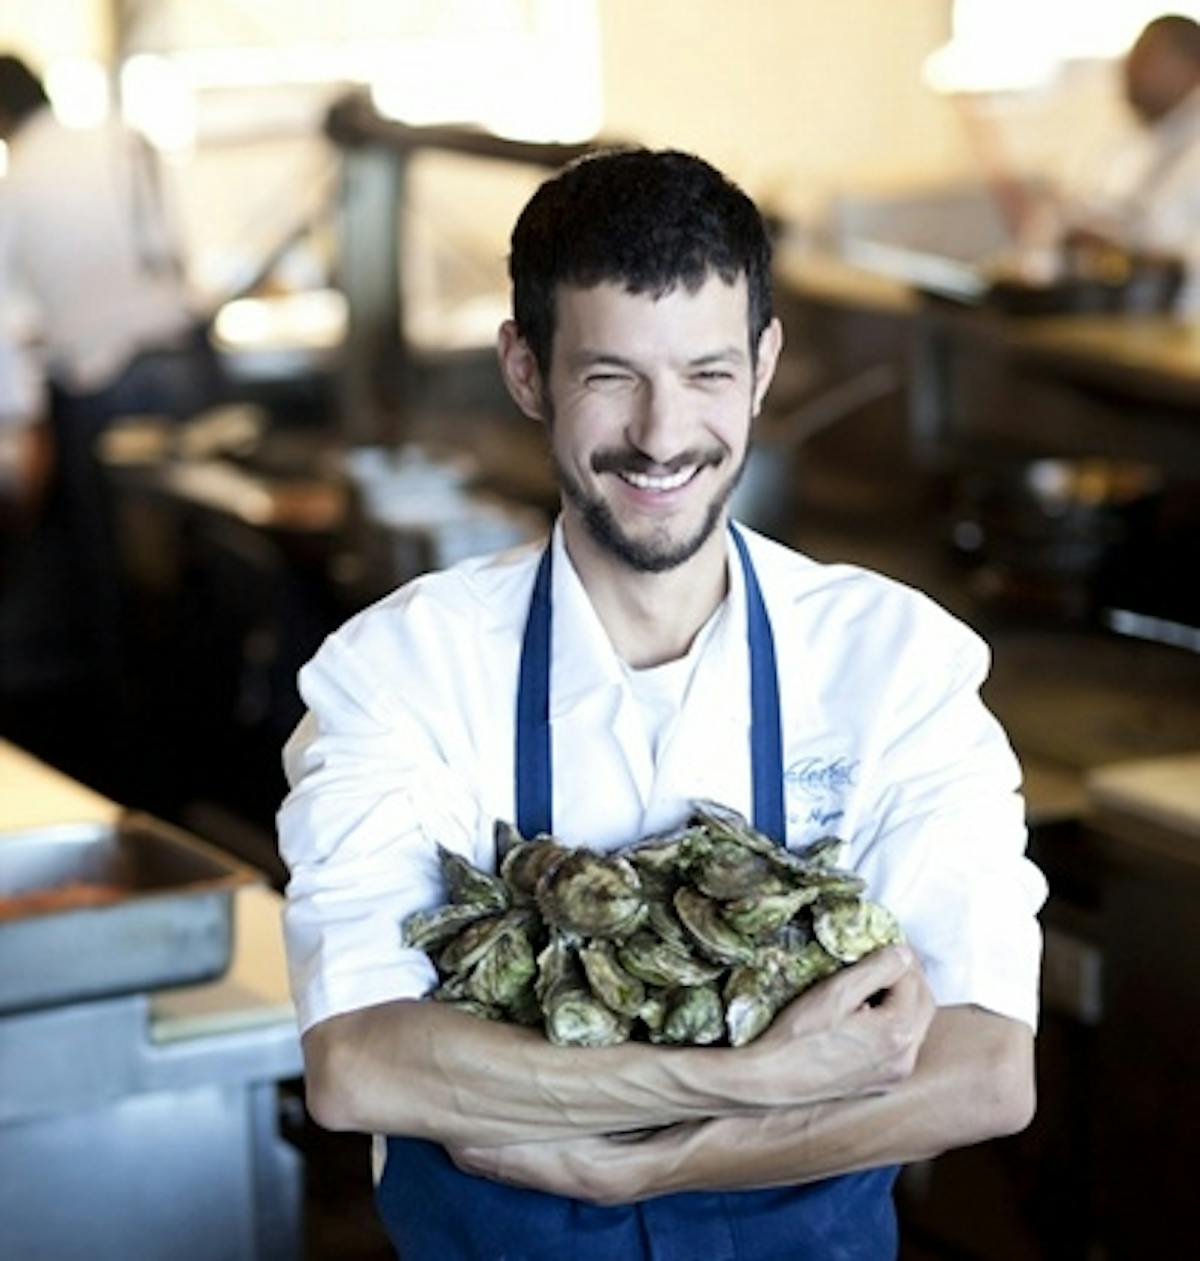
(146, 1125)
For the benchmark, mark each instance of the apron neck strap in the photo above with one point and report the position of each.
(534, 763)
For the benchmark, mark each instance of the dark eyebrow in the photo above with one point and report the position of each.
(598, 358)
(602, 359)
(730, 354)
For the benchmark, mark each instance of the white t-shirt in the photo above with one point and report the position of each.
(409, 741)
(85, 243)
(660, 691)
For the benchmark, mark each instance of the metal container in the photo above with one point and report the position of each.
(173, 924)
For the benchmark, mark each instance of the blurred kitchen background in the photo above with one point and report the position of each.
(959, 406)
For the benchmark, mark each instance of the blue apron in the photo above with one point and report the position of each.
(435, 1212)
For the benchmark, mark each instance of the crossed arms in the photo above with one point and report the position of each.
(837, 1083)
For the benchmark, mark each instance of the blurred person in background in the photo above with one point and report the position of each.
(1145, 202)
(94, 307)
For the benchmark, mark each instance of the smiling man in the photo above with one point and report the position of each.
(651, 653)
(656, 398)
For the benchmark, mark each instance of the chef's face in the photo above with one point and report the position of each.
(649, 403)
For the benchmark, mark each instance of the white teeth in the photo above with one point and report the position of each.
(643, 481)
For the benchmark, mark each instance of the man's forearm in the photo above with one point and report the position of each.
(973, 1081)
(423, 1069)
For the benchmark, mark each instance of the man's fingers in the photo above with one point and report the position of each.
(877, 972)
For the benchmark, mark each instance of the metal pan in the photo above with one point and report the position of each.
(171, 922)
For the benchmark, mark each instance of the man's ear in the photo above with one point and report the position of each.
(519, 368)
(770, 343)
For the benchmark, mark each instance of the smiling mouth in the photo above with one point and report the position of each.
(637, 470)
(659, 482)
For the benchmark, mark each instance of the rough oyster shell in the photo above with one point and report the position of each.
(849, 930)
(716, 939)
(594, 895)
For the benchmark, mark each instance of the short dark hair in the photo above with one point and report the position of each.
(21, 91)
(1182, 33)
(650, 220)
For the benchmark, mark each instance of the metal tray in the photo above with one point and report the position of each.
(174, 926)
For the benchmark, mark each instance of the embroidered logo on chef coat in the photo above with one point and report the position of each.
(818, 787)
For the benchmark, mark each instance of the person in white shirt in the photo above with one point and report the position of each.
(94, 300)
(1145, 202)
(651, 653)
(87, 246)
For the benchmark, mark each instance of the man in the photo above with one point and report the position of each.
(596, 688)
(1147, 201)
(87, 246)
(93, 298)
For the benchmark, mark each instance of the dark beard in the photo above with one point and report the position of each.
(654, 555)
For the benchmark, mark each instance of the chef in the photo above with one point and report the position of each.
(93, 300)
(1146, 198)
(652, 652)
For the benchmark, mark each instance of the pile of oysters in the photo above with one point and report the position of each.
(698, 936)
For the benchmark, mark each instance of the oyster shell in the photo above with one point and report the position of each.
(609, 981)
(573, 1015)
(653, 1012)
(662, 860)
(658, 962)
(717, 940)
(753, 995)
(524, 864)
(694, 1016)
(761, 915)
(826, 852)
(429, 930)
(466, 883)
(577, 1018)
(662, 921)
(505, 971)
(849, 930)
(799, 968)
(465, 951)
(558, 967)
(594, 895)
(727, 869)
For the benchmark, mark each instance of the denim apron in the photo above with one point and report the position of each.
(435, 1212)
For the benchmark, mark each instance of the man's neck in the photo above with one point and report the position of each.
(651, 618)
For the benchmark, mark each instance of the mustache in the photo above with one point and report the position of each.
(627, 460)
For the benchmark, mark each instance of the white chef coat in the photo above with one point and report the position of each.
(409, 741)
(85, 244)
(1147, 194)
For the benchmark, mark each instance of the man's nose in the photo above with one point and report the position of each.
(659, 425)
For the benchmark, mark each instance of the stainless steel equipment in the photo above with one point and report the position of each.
(139, 1109)
(170, 925)
(119, 1140)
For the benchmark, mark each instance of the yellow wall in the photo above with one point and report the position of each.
(802, 101)
(795, 98)
(41, 30)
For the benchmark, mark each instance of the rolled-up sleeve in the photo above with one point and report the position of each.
(370, 794)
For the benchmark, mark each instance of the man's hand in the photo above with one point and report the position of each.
(599, 1169)
(860, 1029)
